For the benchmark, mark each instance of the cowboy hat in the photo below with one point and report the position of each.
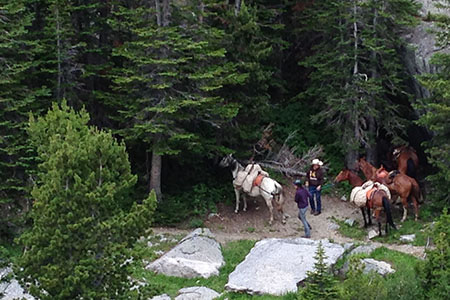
(317, 162)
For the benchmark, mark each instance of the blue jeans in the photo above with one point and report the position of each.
(302, 217)
(313, 191)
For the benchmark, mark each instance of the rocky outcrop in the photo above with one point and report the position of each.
(197, 293)
(422, 45)
(11, 289)
(197, 255)
(276, 266)
(380, 267)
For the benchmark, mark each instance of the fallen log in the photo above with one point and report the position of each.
(279, 168)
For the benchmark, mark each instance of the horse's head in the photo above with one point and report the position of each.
(343, 175)
(227, 161)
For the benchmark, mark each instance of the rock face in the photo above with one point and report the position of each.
(197, 293)
(161, 297)
(12, 289)
(197, 255)
(363, 249)
(275, 266)
(381, 267)
(422, 45)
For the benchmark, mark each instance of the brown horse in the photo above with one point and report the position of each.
(368, 170)
(354, 181)
(402, 185)
(349, 175)
(378, 202)
(407, 160)
(405, 187)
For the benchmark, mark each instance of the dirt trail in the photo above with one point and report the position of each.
(253, 224)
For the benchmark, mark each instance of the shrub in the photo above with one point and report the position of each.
(435, 271)
(84, 222)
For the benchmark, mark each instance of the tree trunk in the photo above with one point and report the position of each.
(371, 148)
(351, 159)
(155, 175)
(58, 49)
(165, 13)
(237, 7)
(158, 13)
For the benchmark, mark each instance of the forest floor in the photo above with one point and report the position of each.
(253, 224)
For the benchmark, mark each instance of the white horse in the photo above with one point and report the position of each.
(269, 189)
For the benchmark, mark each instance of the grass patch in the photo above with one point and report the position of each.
(354, 232)
(9, 253)
(404, 283)
(251, 229)
(419, 228)
(237, 296)
(233, 252)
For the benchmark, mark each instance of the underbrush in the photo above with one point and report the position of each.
(192, 204)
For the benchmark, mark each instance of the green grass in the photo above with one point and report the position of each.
(354, 232)
(419, 228)
(9, 253)
(233, 252)
(403, 284)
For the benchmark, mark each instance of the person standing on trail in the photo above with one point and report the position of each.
(314, 181)
(301, 198)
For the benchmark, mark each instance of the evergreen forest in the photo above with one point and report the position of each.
(115, 114)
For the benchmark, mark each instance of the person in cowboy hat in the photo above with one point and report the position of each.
(314, 181)
(301, 198)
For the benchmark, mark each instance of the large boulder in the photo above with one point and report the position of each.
(380, 267)
(276, 266)
(10, 290)
(197, 255)
(197, 293)
(364, 249)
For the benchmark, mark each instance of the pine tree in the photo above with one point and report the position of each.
(254, 42)
(168, 82)
(435, 271)
(84, 219)
(436, 116)
(320, 283)
(18, 96)
(355, 68)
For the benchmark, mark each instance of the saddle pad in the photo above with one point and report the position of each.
(258, 180)
(370, 192)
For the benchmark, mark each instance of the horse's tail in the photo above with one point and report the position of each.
(387, 209)
(417, 192)
(411, 168)
(279, 194)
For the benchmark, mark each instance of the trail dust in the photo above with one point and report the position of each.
(253, 224)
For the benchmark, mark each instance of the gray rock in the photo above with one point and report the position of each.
(344, 198)
(12, 290)
(372, 234)
(333, 226)
(409, 238)
(381, 267)
(197, 255)
(161, 297)
(348, 246)
(349, 222)
(276, 266)
(197, 293)
(364, 249)
(422, 46)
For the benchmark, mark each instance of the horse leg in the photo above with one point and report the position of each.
(244, 197)
(416, 207)
(377, 217)
(405, 209)
(269, 205)
(368, 215)
(237, 193)
(364, 217)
